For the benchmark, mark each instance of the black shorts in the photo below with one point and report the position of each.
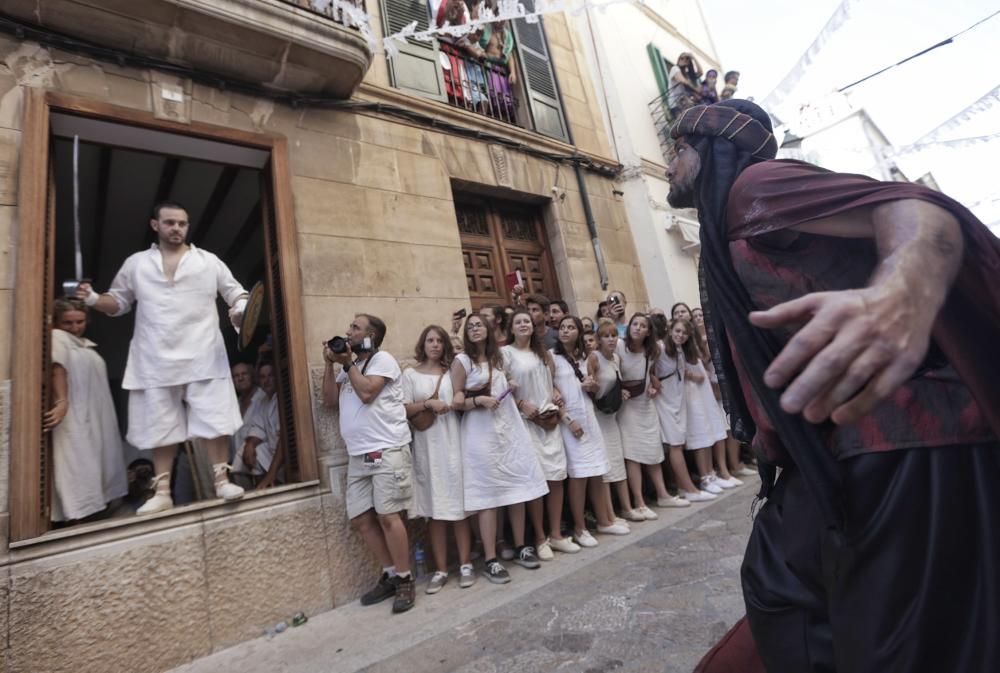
(912, 585)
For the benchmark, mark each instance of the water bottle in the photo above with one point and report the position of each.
(419, 562)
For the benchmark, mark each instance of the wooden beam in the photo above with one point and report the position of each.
(27, 509)
(219, 193)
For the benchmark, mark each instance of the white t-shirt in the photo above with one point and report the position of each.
(177, 338)
(380, 424)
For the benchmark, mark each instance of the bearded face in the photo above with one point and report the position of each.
(682, 172)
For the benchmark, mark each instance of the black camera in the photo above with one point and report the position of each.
(338, 344)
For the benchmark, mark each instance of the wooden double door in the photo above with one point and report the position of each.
(499, 238)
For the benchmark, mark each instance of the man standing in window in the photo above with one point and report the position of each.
(369, 394)
(177, 374)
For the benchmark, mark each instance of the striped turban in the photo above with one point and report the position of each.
(750, 130)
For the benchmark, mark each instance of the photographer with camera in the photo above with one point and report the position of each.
(368, 391)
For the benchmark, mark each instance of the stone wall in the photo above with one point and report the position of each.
(375, 220)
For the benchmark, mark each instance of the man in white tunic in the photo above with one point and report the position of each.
(250, 398)
(178, 372)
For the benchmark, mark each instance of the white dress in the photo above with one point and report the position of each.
(499, 464)
(534, 385)
(607, 373)
(714, 378)
(87, 456)
(670, 403)
(437, 453)
(705, 422)
(585, 457)
(637, 419)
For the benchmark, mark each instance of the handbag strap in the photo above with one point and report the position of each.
(438, 386)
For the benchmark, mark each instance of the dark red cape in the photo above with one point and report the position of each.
(778, 194)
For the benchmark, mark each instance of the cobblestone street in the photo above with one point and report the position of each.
(652, 601)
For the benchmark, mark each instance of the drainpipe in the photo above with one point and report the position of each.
(588, 212)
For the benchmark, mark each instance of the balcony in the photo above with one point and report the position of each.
(284, 44)
(480, 86)
(662, 120)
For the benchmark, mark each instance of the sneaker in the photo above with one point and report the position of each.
(744, 472)
(496, 573)
(438, 580)
(621, 521)
(633, 515)
(224, 488)
(614, 529)
(406, 593)
(672, 501)
(565, 545)
(698, 496)
(466, 578)
(585, 539)
(526, 558)
(384, 588)
(544, 551)
(506, 551)
(732, 482)
(708, 484)
(648, 514)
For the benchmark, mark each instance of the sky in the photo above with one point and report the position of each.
(765, 39)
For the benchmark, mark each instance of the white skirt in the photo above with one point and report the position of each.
(612, 446)
(640, 428)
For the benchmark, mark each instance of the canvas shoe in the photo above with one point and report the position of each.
(672, 501)
(545, 551)
(732, 482)
(224, 488)
(438, 580)
(744, 472)
(621, 521)
(565, 545)
(496, 573)
(466, 577)
(526, 558)
(708, 484)
(506, 551)
(649, 514)
(161, 500)
(633, 515)
(585, 539)
(614, 529)
(698, 496)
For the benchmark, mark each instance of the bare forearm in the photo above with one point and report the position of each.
(920, 247)
(331, 391)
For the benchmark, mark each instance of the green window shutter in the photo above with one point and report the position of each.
(659, 68)
(416, 68)
(539, 77)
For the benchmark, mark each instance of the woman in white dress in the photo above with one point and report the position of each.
(531, 369)
(637, 419)
(437, 454)
(727, 456)
(586, 457)
(671, 404)
(705, 423)
(499, 464)
(604, 365)
(87, 458)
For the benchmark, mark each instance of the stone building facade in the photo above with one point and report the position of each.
(360, 209)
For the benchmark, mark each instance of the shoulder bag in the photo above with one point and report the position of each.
(425, 418)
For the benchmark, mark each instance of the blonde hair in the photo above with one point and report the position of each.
(62, 305)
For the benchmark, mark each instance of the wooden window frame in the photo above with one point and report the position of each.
(35, 232)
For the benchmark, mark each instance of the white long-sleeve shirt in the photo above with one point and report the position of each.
(177, 338)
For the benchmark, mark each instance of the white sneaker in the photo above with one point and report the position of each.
(565, 545)
(621, 521)
(585, 539)
(732, 482)
(161, 500)
(614, 529)
(544, 551)
(698, 496)
(708, 484)
(745, 472)
(226, 490)
(648, 514)
(466, 576)
(672, 501)
(633, 515)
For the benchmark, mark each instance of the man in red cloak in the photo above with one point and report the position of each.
(857, 323)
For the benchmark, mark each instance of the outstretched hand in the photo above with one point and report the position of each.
(855, 348)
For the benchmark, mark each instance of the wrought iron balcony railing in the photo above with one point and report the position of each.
(480, 86)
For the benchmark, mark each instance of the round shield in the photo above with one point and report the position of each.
(254, 315)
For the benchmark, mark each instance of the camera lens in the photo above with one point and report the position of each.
(337, 344)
